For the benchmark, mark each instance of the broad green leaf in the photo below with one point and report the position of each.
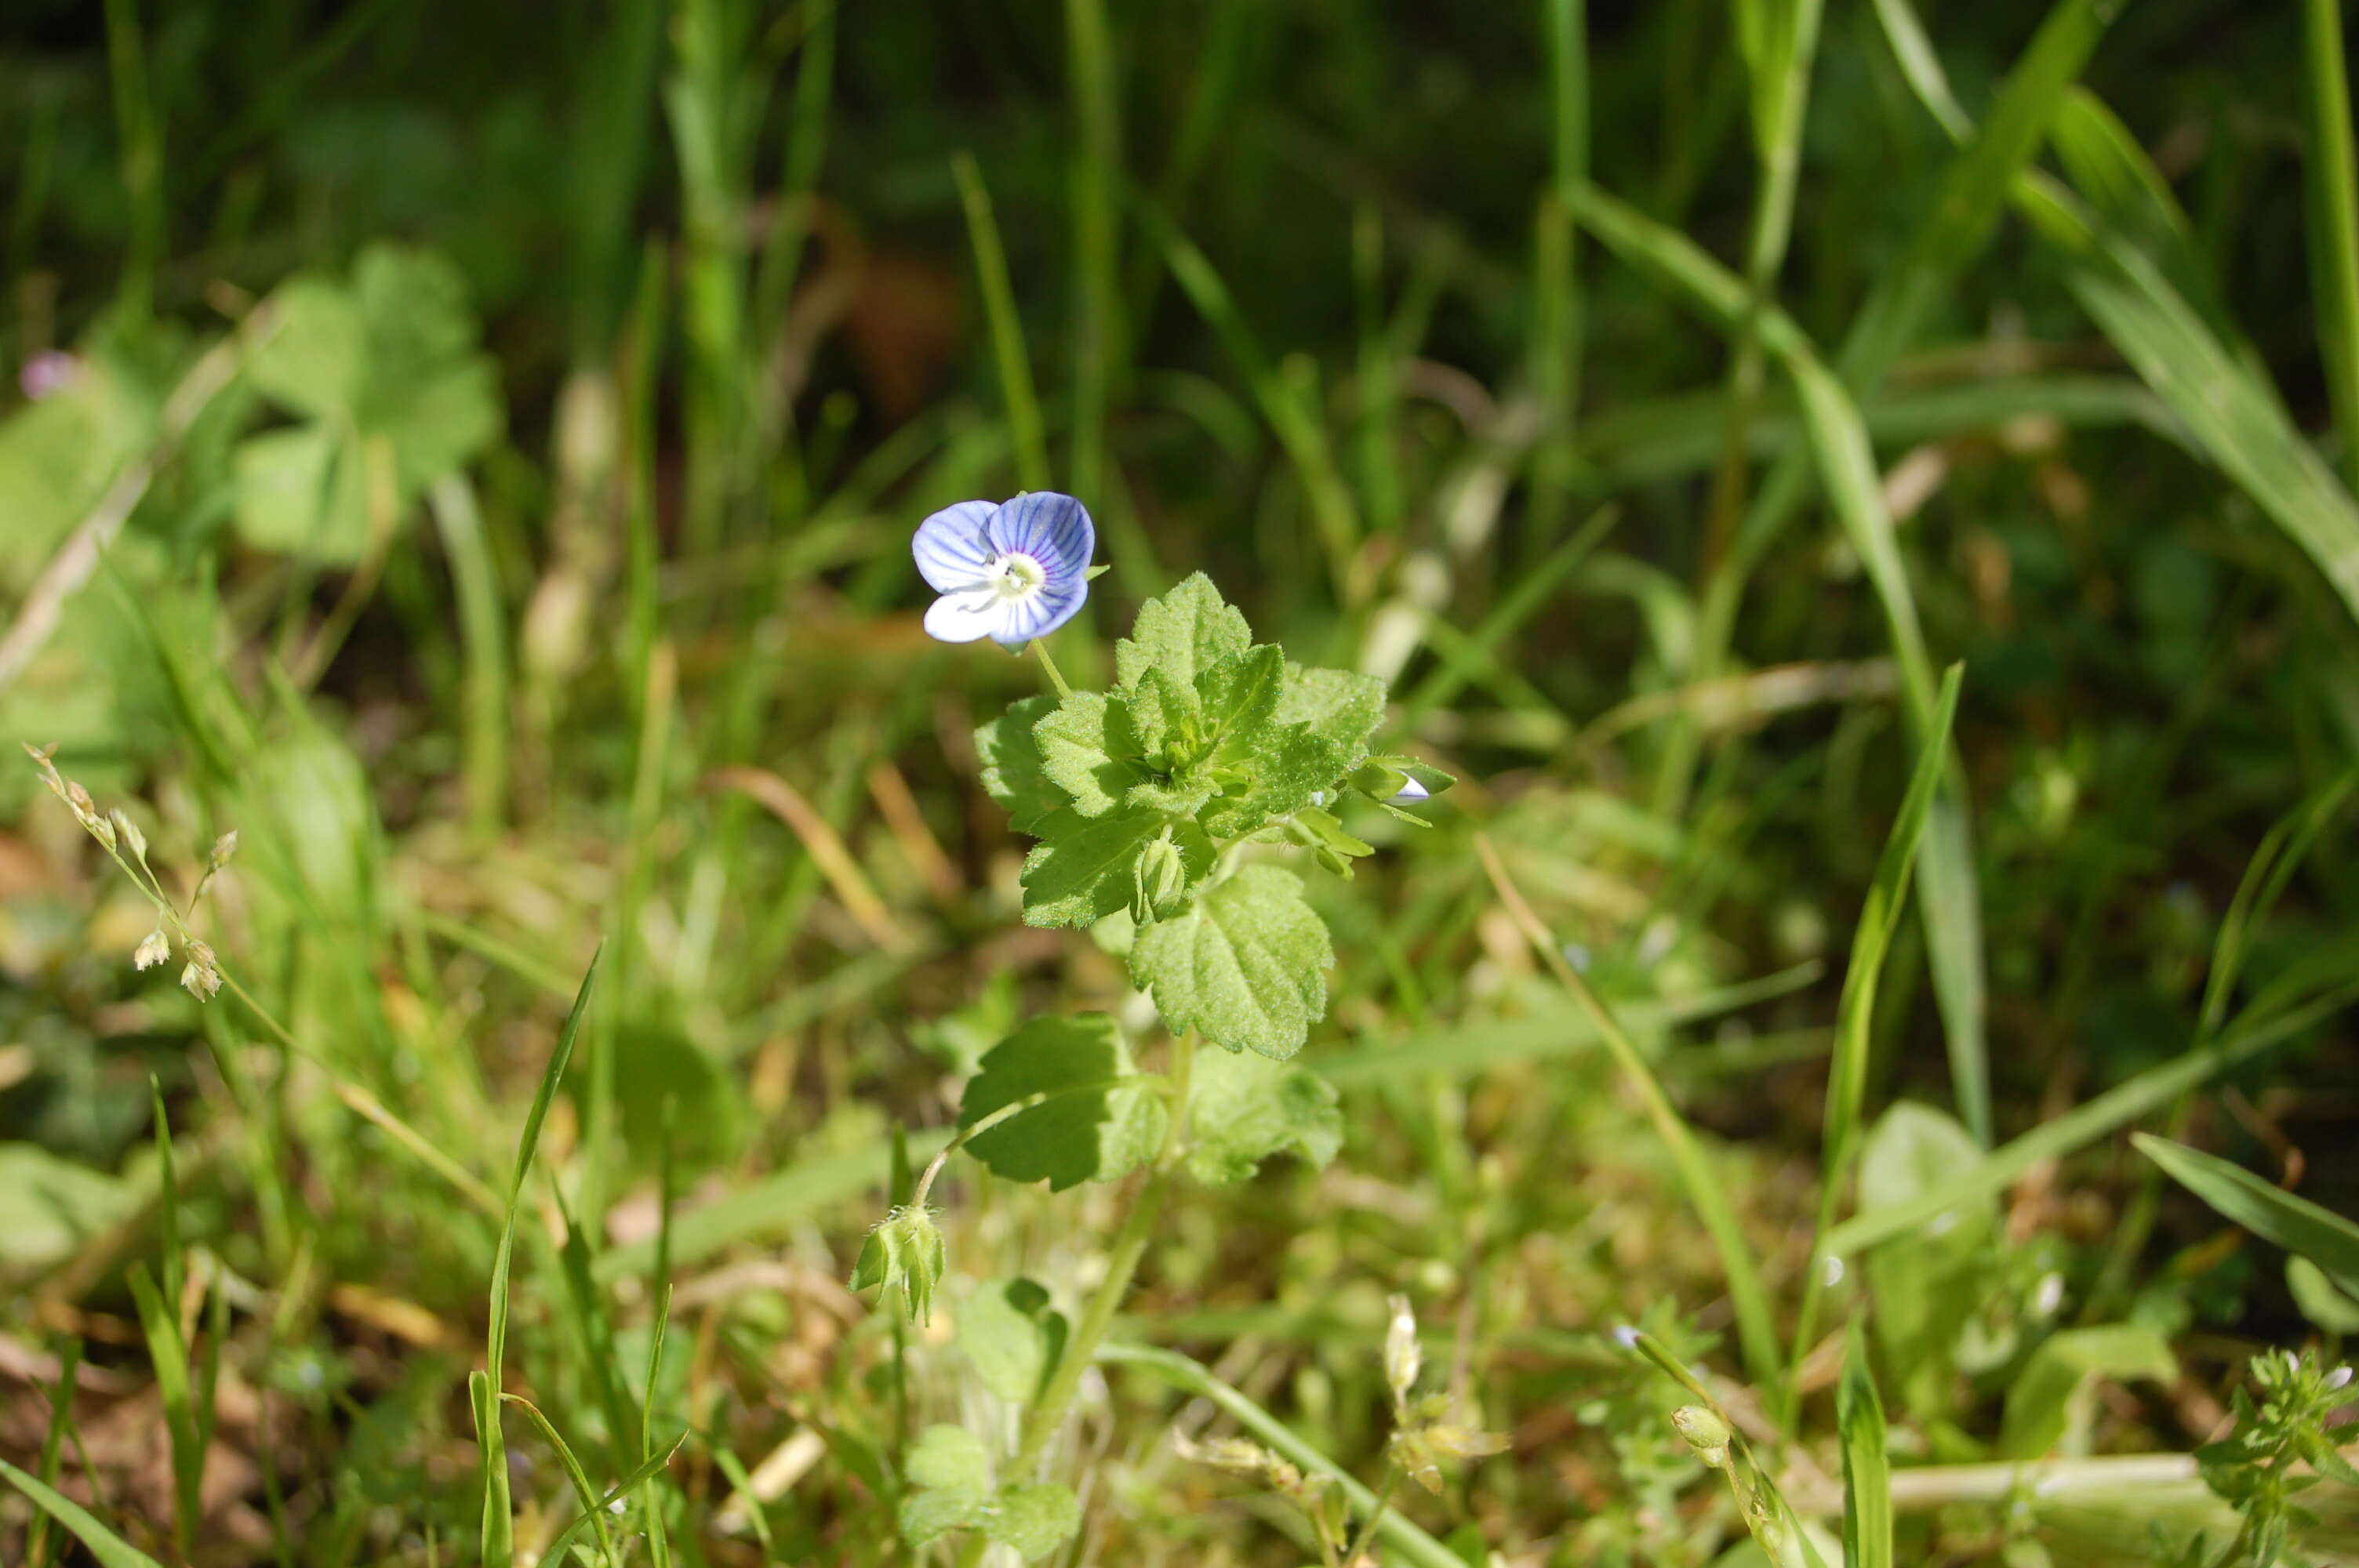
(58, 456)
(2298, 1225)
(316, 362)
(2319, 1302)
(1342, 703)
(111, 1550)
(1867, 1468)
(1293, 767)
(1922, 1285)
(1014, 772)
(1087, 1115)
(1081, 870)
(1012, 1338)
(1245, 966)
(1244, 1109)
(1165, 715)
(948, 1457)
(50, 1207)
(1079, 756)
(438, 426)
(303, 492)
(1182, 633)
(2053, 1387)
(1239, 696)
(931, 1511)
(1034, 1519)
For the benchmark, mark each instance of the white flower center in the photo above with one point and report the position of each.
(1015, 578)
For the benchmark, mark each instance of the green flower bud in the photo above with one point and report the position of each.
(1705, 1432)
(1159, 881)
(906, 1251)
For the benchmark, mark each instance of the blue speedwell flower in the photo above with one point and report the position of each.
(1010, 572)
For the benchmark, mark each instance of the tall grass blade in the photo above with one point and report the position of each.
(53, 1448)
(1757, 1327)
(2334, 192)
(1854, 1013)
(1023, 405)
(159, 1323)
(594, 1507)
(1097, 229)
(499, 1533)
(111, 1550)
(1867, 1468)
(483, 638)
(1846, 466)
(2295, 1224)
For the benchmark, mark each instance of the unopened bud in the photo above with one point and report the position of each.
(1234, 1455)
(1705, 1432)
(1158, 881)
(2337, 1379)
(223, 848)
(153, 949)
(1403, 1355)
(128, 831)
(906, 1251)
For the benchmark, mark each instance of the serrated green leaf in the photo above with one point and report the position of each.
(1293, 767)
(1245, 966)
(1080, 755)
(1014, 774)
(1096, 1119)
(1011, 1337)
(948, 1457)
(1163, 716)
(931, 1512)
(1340, 703)
(1081, 870)
(1034, 1519)
(1242, 1109)
(1240, 694)
(1182, 633)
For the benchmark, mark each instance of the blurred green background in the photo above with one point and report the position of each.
(447, 437)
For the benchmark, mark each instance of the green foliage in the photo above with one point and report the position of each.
(948, 1471)
(2254, 1467)
(1244, 1109)
(1058, 1101)
(1011, 1337)
(1140, 797)
(2300, 1226)
(905, 1250)
(2051, 1394)
(383, 374)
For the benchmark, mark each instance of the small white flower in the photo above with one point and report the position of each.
(2337, 1379)
(1011, 572)
(153, 949)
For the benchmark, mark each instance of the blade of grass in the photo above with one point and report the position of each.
(2333, 193)
(594, 1507)
(159, 1323)
(1413, 1545)
(111, 1550)
(1558, 324)
(652, 1493)
(498, 1534)
(647, 1469)
(1867, 1468)
(2147, 1092)
(1756, 1324)
(1519, 604)
(2295, 1224)
(1854, 1013)
(1097, 229)
(1846, 465)
(53, 1448)
(1297, 423)
(1023, 406)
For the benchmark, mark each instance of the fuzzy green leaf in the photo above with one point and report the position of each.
(1242, 1109)
(1292, 767)
(1096, 1119)
(1083, 870)
(1182, 633)
(1034, 1519)
(1014, 772)
(948, 1457)
(1240, 695)
(1162, 714)
(1246, 965)
(1082, 753)
(1011, 1337)
(1340, 704)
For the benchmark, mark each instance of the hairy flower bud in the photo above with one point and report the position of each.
(153, 949)
(1403, 1355)
(907, 1251)
(128, 831)
(1159, 883)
